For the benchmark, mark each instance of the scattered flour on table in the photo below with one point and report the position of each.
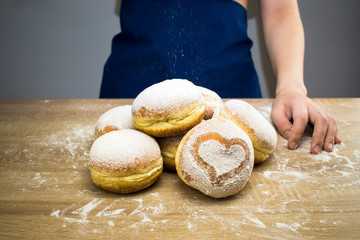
(72, 141)
(38, 179)
(326, 157)
(343, 165)
(254, 220)
(70, 146)
(98, 210)
(190, 227)
(82, 212)
(153, 212)
(292, 227)
(143, 213)
(295, 175)
(356, 153)
(337, 222)
(106, 212)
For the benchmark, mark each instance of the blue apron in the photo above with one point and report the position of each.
(204, 41)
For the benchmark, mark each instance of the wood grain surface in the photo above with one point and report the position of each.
(46, 191)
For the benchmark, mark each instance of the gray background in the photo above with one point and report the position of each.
(57, 49)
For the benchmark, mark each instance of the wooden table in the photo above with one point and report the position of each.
(46, 191)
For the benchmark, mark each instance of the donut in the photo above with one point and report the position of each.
(168, 108)
(114, 119)
(168, 147)
(216, 157)
(260, 131)
(125, 161)
(212, 101)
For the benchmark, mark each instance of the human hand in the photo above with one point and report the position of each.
(297, 106)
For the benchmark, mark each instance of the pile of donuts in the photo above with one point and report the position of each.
(178, 126)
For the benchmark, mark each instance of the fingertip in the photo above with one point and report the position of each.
(297, 130)
(316, 149)
(316, 145)
(294, 139)
(338, 139)
(284, 129)
(329, 147)
(293, 145)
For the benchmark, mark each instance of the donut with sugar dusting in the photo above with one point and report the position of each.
(168, 108)
(125, 161)
(212, 101)
(216, 157)
(114, 119)
(168, 147)
(261, 132)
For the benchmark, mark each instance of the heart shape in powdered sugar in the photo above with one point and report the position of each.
(222, 158)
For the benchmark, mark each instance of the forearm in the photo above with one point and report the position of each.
(284, 39)
(285, 44)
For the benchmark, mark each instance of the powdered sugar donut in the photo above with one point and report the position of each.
(260, 131)
(212, 101)
(114, 119)
(168, 108)
(125, 161)
(216, 157)
(168, 147)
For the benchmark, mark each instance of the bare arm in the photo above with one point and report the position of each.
(284, 38)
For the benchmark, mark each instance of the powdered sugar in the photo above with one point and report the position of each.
(209, 94)
(212, 100)
(167, 96)
(254, 120)
(221, 158)
(121, 149)
(199, 176)
(118, 117)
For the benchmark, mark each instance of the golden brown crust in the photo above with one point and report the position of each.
(115, 181)
(168, 147)
(264, 139)
(168, 108)
(116, 118)
(212, 100)
(125, 161)
(106, 129)
(262, 146)
(210, 177)
(180, 156)
(173, 124)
